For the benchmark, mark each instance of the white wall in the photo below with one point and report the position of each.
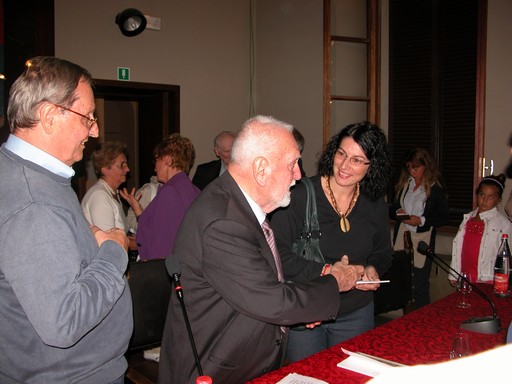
(289, 68)
(202, 47)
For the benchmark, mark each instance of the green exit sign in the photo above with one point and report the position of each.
(123, 73)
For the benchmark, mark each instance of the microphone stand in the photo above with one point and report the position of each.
(486, 324)
(173, 270)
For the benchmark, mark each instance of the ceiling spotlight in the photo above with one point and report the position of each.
(131, 22)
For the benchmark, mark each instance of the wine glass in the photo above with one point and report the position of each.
(460, 346)
(464, 288)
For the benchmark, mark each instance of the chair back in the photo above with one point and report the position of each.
(150, 286)
(398, 293)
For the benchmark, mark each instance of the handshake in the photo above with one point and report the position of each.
(347, 275)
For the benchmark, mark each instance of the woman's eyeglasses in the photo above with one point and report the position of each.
(354, 160)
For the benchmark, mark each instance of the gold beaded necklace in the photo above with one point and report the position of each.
(344, 223)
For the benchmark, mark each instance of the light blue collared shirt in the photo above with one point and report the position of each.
(35, 155)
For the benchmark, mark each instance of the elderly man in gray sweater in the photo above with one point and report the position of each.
(65, 308)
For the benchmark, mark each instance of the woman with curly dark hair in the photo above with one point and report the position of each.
(353, 174)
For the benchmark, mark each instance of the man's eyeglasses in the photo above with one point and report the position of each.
(90, 120)
(355, 161)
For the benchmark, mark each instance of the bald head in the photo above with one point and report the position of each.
(222, 145)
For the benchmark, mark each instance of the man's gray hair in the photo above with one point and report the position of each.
(45, 79)
(257, 138)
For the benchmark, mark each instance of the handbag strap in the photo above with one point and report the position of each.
(311, 224)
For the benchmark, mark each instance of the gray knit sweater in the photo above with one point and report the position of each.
(65, 307)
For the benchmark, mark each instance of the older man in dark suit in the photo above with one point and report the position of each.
(238, 304)
(207, 172)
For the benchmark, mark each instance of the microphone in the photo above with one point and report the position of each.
(487, 324)
(173, 269)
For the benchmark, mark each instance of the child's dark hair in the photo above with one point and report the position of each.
(496, 181)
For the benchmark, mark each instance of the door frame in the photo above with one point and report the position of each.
(158, 114)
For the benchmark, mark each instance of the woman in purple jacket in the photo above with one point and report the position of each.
(159, 222)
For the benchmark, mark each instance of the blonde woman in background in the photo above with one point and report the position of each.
(422, 203)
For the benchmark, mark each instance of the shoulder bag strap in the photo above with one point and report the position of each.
(306, 229)
(311, 220)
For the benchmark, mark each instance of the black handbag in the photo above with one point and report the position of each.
(307, 245)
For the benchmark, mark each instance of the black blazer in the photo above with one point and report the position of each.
(436, 213)
(234, 300)
(206, 173)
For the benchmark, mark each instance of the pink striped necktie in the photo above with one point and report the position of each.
(269, 235)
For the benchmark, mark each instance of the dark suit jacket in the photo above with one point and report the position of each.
(234, 300)
(206, 173)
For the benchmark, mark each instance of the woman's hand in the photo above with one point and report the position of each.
(370, 274)
(414, 221)
(133, 200)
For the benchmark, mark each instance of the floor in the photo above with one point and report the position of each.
(140, 370)
(388, 316)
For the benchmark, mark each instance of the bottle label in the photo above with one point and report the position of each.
(501, 282)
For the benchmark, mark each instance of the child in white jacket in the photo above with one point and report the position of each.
(476, 244)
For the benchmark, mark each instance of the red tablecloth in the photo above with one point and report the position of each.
(422, 336)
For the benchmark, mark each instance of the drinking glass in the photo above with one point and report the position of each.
(464, 288)
(460, 346)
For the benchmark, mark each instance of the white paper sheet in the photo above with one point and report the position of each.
(364, 364)
(295, 378)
